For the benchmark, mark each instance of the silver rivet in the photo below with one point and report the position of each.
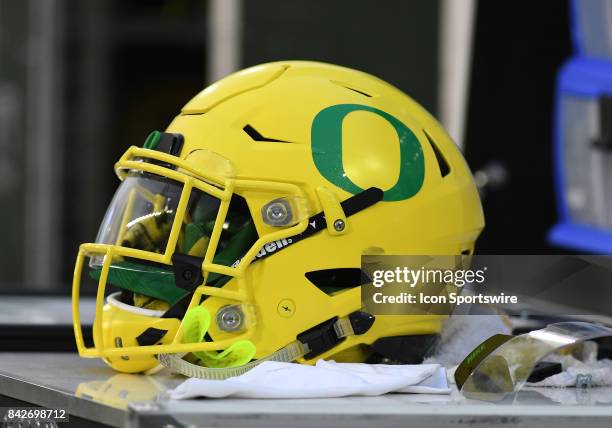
(230, 318)
(277, 212)
(339, 225)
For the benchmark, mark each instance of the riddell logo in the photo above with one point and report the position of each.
(269, 248)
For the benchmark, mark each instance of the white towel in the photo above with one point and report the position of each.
(462, 334)
(600, 372)
(324, 380)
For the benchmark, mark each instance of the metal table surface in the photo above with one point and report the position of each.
(90, 390)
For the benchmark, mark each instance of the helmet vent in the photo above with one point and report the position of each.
(358, 91)
(442, 164)
(350, 88)
(256, 136)
(333, 281)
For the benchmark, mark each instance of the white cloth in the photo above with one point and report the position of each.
(600, 372)
(324, 380)
(462, 334)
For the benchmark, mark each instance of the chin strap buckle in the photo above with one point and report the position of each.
(328, 334)
(320, 338)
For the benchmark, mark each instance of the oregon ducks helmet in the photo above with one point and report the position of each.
(236, 234)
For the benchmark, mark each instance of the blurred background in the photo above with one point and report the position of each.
(80, 81)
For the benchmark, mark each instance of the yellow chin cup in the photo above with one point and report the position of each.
(122, 325)
(195, 325)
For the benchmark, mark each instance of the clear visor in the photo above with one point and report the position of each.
(141, 213)
(502, 364)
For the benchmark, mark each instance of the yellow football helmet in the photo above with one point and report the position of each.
(236, 234)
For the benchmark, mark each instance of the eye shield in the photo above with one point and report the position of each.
(502, 364)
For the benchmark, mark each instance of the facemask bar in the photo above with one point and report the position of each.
(223, 189)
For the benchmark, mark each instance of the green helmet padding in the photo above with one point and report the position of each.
(152, 281)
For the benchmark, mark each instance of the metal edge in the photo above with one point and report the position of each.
(51, 398)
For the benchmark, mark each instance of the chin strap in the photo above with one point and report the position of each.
(309, 344)
(175, 362)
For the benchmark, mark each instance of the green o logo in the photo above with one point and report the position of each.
(326, 140)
